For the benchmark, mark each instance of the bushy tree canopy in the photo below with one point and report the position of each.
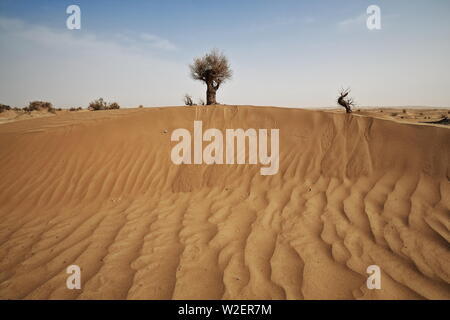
(213, 69)
(213, 66)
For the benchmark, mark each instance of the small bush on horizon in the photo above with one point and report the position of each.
(39, 106)
(4, 107)
(113, 106)
(101, 104)
(98, 104)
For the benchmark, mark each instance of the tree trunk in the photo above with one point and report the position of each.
(210, 94)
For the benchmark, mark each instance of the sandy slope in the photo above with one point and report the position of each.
(406, 115)
(98, 189)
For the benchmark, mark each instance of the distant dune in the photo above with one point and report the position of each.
(99, 190)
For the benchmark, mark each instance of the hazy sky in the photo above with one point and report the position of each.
(283, 53)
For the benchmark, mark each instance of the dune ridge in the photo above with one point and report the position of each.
(98, 189)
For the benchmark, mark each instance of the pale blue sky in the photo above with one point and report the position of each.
(283, 53)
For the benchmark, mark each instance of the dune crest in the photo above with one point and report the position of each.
(99, 190)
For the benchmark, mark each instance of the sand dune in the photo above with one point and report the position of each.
(98, 189)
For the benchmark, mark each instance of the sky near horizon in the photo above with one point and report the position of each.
(283, 53)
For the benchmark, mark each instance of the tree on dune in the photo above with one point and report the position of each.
(213, 69)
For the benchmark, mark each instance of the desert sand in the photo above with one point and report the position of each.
(98, 189)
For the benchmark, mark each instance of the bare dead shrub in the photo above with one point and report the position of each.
(188, 100)
(347, 103)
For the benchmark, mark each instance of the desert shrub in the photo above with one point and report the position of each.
(188, 100)
(39, 106)
(394, 114)
(101, 104)
(404, 110)
(4, 108)
(112, 106)
(98, 104)
(141, 106)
